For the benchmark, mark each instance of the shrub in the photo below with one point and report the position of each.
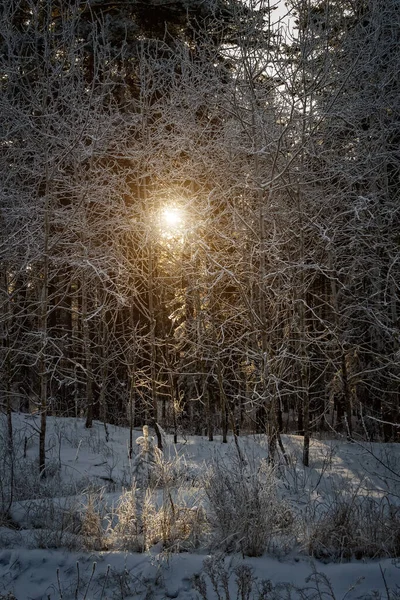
(127, 532)
(92, 530)
(141, 520)
(174, 523)
(229, 581)
(245, 512)
(354, 526)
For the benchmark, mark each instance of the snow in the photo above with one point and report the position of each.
(41, 574)
(80, 459)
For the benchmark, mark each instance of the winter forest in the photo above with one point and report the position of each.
(200, 235)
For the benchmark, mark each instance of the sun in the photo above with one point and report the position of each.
(172, 217)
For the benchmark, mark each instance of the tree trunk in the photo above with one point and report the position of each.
(87, 354)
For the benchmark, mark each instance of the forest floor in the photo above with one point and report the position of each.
(186, 527)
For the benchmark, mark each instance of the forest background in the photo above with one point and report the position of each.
(199, 211)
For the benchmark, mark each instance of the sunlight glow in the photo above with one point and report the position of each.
(172, 218)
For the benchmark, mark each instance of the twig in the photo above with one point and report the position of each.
(59, 584)
(78, 581)
(90, 581)
(105, 582)
(384, 581)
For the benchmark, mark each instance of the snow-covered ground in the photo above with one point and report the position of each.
(53, 546)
